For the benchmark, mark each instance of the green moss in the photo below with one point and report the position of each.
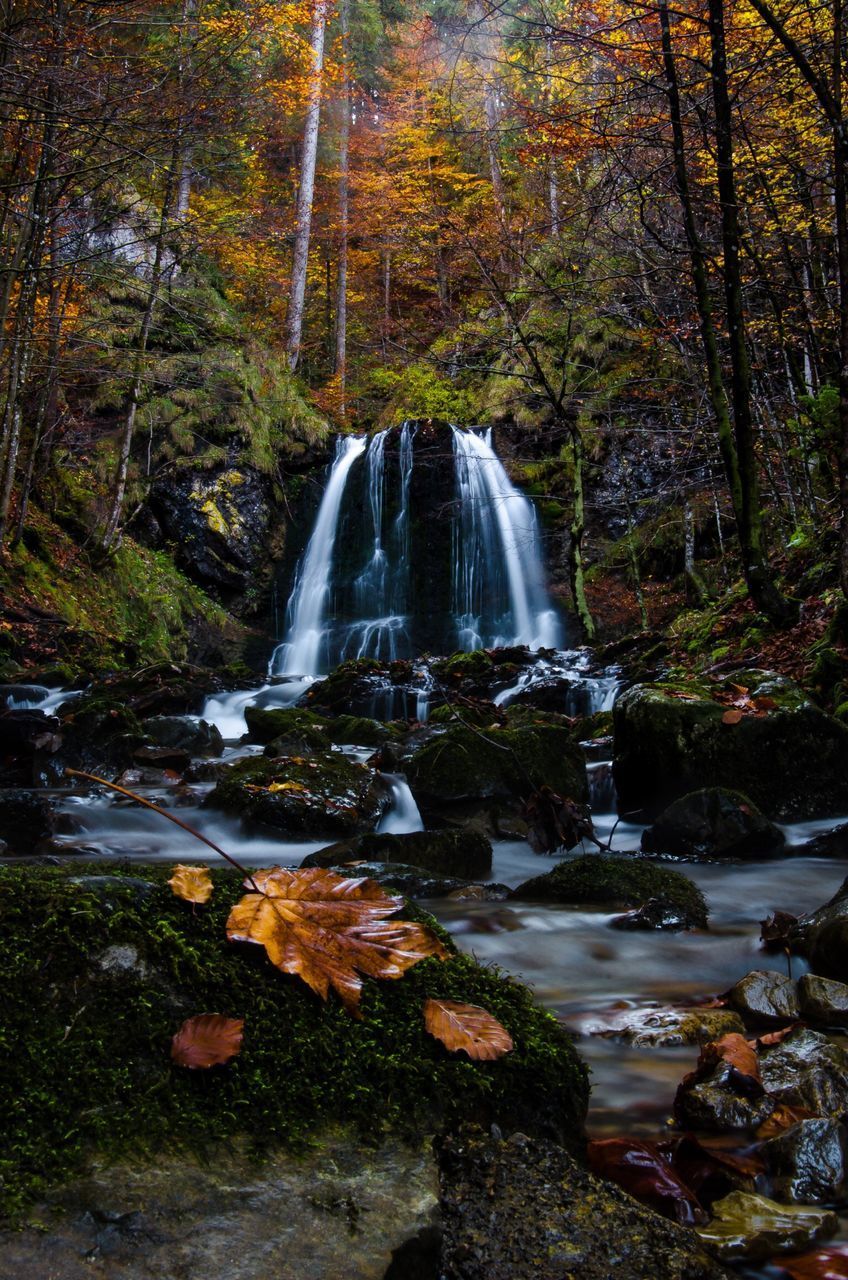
(502, 762)
(85, 1049)
(626, 882)
(326, 792)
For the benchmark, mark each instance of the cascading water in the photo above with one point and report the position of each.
(499, 591)
(301, 652)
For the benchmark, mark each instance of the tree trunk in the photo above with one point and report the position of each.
(344, 197)
(300, 262)
(575, 555)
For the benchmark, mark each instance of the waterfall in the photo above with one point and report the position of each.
(403, 814)
(499, 595)
(300, 653)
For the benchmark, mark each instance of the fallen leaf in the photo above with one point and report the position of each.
(773, 1037)
(192, 883)
(328, 929)
(639, 1168)
(207, 1040)
(733, 716)
(286, 786)
(824, 1264)
(775, 931)
(782, 1118)
(709, 1169)
(736, 1051)
(764, 703)
(467, 1027)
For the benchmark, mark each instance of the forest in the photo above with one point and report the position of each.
(424, 639)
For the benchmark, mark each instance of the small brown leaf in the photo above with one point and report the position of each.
(732, 716)
(783, 1117)
(823, 1264)
(207, 1040)
(736, 1051)
(467, 1027)
(192, 883)
(764, 703)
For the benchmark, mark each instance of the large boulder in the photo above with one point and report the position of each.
(519, 1209)
(782, 751)
(26, 818)
(98, 973)
(184, 733)
(27, 740)
(609, 883)
(468, 770)
(713, 823)
(822, 936)
(464, 855)
(324, 794)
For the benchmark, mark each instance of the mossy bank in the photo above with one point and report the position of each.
(100, 967)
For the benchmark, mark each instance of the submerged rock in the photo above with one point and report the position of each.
(608, 882)
(786, 754)
(416, 882)
(749, 1226)
(808, 1163)
(465, 855)
(325, 793)
(713, 823)
(664, 1028)
(525, 1210)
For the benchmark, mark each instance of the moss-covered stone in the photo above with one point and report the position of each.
(360, 731)
(670, 739)
(505, 764)
(607, 882)
(714, 823)
(99, 971)
(303, 730)
(326, 793)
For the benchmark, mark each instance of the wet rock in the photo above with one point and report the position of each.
(722, 1102)
(484, 772)
(197, 737)
(27, 738)
(808, 1162)
(822, 936)
(807, 1070)
(670, 739)
(824, 1001)
(415, 882)
(299, 729)
(608, 882)
(525, 1210)
(653, 914)
(341, 1209)
(751, 1227)
(713, 823)
(217, 522)
(172, 758)
(360, 731)
(763, 996)
(326, 794)
(25, 819)
(99, 735)
(828, 844)
(366, 687)
(464, 855)
(664, 1028)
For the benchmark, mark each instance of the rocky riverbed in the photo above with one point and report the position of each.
(449, 782)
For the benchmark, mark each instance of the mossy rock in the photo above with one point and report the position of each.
(476, 663)
(505, 764)
(464, 855)
(302, 729)
(324, 794)
(99, 971)
(714, 823)
(611, 883)
(791, 759)
(360, 731)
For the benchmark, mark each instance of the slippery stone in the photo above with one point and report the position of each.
(197, 737)
(822, 936)
(463, 855)
(823, 1001)
(790, 758)
(765, 997)
(749, 1226)
(25, 818)
(713, 823)
(609, 882)
(809, 1070)
(525, 1210)
(808, 1162)
(666, 1028)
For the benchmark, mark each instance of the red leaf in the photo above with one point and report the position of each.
(733, 716)
(739, 1054)
(824, 1264)
(641, 1171)
(207, 1040)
